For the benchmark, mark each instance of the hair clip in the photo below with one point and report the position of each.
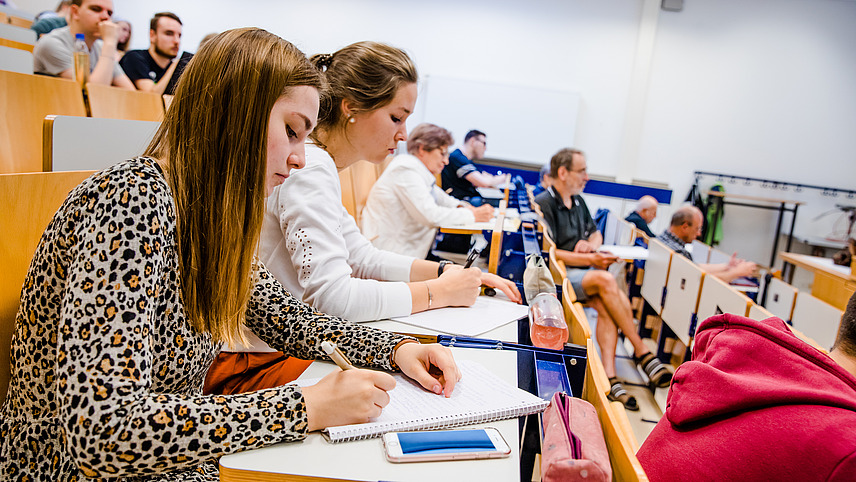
(323, 60)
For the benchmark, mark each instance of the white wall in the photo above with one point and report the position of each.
(759, 88)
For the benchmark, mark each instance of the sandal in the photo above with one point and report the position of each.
(656, 371)
(617, 393)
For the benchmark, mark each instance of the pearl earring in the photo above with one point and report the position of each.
(352, 120)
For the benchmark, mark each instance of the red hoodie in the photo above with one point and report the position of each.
(755, 403)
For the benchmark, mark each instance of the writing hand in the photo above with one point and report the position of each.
(457, 287)
(346, 397)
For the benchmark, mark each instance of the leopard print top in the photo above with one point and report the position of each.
(107, 373)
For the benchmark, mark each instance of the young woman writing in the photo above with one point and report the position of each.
(142, 275)
(313, 246)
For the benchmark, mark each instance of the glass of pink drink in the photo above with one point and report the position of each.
(547, 327)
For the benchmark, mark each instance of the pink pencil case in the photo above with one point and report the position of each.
(573, 447)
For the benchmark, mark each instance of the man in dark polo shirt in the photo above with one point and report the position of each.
(462, 176)
(154, 70)
(577, 241)
(645, 212)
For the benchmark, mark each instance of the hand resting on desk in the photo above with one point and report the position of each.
(355, 396)
(506, 286)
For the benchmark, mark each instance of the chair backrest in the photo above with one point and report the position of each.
(579, 331)
(18, 34)
(16, 60)
(656, 274)
(18, 18)
(817, 319)
(758, 312)
(781, 298)
(346, 179)
(557, 267)
(625, 234)
(114, 103)
(66, 145)
(701, 251)
(17, 45)
(167, 101)
(620, 441)
(547, 240)
(29, 202)
(27, 99)
(363, 176)
(496, 238)
(718, 297)
(611, 228)
(682, 294)
(716, 257)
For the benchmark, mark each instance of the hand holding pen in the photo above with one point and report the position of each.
(346, 396)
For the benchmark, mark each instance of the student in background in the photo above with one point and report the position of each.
(406, 206)
(124, 39)
(544, 180)
(758, 403)
(685, 227)
(310, 242)
(54, 52)
(577, 241)
(136, 284)
(462, 176)
(49, 21)
(645, 212)
(152, 70)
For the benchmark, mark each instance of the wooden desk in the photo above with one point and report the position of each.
(780, 205)
(832, 283)
(511, 223)
(316, 459)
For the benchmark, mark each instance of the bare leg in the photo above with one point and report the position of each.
(607, 336)
(601, 284)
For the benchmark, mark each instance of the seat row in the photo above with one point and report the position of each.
(681, 294)
(28, 99)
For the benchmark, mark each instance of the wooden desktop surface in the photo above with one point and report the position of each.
(832, 283)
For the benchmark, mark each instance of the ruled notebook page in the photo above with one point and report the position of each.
(480, 396)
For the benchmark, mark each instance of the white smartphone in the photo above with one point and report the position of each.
(485, 443)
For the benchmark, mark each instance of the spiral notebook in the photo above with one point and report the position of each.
(480, 396)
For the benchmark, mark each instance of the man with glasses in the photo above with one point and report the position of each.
(577, 241)
(462, 176)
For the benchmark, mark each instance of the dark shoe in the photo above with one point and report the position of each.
(617, 393)
(657, 373)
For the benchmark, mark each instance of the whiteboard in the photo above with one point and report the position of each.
(522, 124)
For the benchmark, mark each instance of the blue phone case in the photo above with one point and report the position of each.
(456, 440)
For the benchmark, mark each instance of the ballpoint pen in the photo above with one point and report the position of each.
(336, 355)
(478, 245)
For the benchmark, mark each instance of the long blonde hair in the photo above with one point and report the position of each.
(213, 146)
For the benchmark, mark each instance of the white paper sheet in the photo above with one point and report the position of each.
(486, 314)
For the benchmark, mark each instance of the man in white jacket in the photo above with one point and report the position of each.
(406, 206)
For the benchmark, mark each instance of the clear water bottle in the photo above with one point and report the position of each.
(81, 60)
(547, 327)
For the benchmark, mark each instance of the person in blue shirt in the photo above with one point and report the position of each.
(544, 180)
(645, 212)
(462, 176)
